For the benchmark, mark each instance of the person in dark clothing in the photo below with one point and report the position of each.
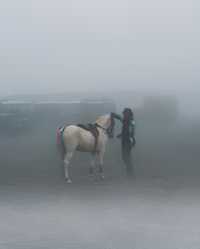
(127, 136)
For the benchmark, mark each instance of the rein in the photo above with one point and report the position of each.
(106, 130)
(99, 126)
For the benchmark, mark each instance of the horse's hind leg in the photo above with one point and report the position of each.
(67, 159)
(100, 164)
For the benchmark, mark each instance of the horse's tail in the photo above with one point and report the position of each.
(58, 135)
(60, 141)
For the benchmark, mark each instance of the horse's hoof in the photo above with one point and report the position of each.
(68, 180)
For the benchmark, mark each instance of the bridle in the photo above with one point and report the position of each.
(101, 127)
(109, 130)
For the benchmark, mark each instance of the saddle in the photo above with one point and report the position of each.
(93, 129)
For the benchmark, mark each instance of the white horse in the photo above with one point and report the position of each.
(75, 138)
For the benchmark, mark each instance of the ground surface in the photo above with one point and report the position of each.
(139, 214)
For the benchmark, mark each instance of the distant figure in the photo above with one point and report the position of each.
(127, 136)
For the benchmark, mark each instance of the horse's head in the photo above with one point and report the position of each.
(107, 123)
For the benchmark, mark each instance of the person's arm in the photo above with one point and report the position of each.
(132, 129)
(117, 116)
(132, 133)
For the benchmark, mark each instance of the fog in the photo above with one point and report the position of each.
(157, 209)
(54, 56)
(55, 46)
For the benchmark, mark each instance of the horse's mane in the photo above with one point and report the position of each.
(101, 118)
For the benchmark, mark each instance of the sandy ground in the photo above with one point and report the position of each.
(115, 214)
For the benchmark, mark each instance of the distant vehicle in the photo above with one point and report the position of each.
(20, 114)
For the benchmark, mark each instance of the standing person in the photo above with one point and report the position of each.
(127, 136)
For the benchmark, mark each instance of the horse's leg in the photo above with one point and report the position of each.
(67, 159)
(100, 155)
(92, 164)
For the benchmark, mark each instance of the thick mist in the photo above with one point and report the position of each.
(139, 54)
(156, 209)
(56, 46)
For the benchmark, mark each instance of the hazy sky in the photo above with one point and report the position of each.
(60, 45)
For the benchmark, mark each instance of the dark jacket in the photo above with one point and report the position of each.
(128, 129)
